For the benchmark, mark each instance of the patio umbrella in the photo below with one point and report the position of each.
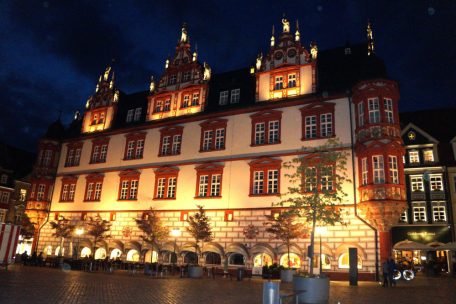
(448, 246)
(411, 245)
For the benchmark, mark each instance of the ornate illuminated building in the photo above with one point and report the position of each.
(219, 140)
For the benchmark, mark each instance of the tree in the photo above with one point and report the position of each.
(27, 227)
(317, 178)
(98, 227)
(152, 228)
(285, 227)
(199, 228)
(63, 229)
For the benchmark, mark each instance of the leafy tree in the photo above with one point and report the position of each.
(153, 230)
(285, 227)
(98, 227)
(62, 229)
(27, 227)
(199, 228)
(317, 178)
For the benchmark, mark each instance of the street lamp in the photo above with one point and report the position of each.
(175, 232)
(79, 232)
(321, 230)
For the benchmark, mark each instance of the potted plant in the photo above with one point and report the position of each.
(200, 229)
(98, 227)
(63, 229)
(317, 178)
(153, 231)
(285, 227)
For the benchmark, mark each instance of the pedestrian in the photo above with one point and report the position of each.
(385, 268)
(24, 258)
(391, 268)
(40, 259)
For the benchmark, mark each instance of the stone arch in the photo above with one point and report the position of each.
(102, 244)
(133, 245)
(168, 246)
(343, 248)
(294, 248)
(188, 247)
(263, 248)
(85, 243)
(237, 248)
(213, 247)
(116, 244)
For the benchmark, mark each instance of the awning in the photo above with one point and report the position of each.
(448, 246)
(410, 245)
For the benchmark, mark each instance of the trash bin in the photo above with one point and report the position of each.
(240, 274)
(271, 292)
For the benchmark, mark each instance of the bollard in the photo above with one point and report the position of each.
(271, 292)
(240, 274)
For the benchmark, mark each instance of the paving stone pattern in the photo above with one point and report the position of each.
(44, 285)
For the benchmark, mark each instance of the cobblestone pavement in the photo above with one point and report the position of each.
(44, 285)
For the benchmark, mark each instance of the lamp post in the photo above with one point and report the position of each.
(79, 232)
(320, 230)
(175, 232)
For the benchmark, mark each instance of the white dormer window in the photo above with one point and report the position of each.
(172, 79)
(278, 83)
(235, 95)
(223, 100)
(428, 156)
(130, 115)
(4, 179)
(414, 157)
(137, 114)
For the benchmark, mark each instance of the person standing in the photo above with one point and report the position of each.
(385, 268)
(391, 268)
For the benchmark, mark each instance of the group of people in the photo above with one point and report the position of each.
(388, 267)
(33, 260)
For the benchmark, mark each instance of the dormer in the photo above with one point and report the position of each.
(101, 106)
(182, 88)
(288, 70)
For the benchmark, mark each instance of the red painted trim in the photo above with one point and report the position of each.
(209, 169)
(317, 109)
(128, 175)
(213, 125)
(265, 117)
(134, 137)
(264, 164)
(166, 173)
(170, 131)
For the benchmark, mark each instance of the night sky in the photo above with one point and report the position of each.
(52, 52)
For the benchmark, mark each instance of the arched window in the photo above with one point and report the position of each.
(115, 253)
(213, 258)
(86, 252)
(190, 258)
(151, 256)
(236, 259)
(325, 261)
(344, 261)
(133, 255)
(169, 257)
(57, 250)
(295, 260)
(48, 250)
(262, 259)
(100, 254)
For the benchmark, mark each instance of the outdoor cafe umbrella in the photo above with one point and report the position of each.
(411, 245)
(448, 246)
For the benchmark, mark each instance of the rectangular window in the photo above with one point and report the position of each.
(327, 178)
(215, 184)
(128, 189)
(95, 154)
(130, 149)
(97, 193)
(172, 181)
(414, 157)
(273, 131)
(365, 171)
(291, 80)
(165, 150)
(235, 95)
(161, 187)
(195, 99)
(360, 114)
(104, 151)
(77, 157)
(310, 179)
(416, 182)
(64, 195)
(203, 185)
(393, 170)
(326, 125)
(278, 83)
(176, 144)
(428, 156)
(133, 189)
(438, 212)
(137, 116)
(186, 101)
(258, 181)
(166, 183)
(130, 115)
(273, 181)
(186, 76)
(5, 197)
(419, 211)
(69, 160)
(158, 106)
(40, 192)
(139, 148)
(223, 99)
(172, 79)
(207, 140)
(436, 182)
(379, 171)
(47, 158)
(167, 105)
(388, 107)
(311, 126)
(89, 191)
(259, 133)
(404, 217)
(124, 190)
(71, 192)
(219, 139)
(374, 110)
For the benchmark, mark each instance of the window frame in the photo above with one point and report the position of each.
(166, 173)
(265, 117)
(235, 96)
(134, 145)
(212, 126)
(374, 111)
(171, 133)
(99, 145)
(210, 170)
(74, 150)
(378, 174)
(417, 211)
(264, 165)
(68, 189)
(129, 178)
(223, 97)
(317, 110)
(93, 179)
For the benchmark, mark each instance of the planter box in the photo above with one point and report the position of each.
(286, 275)
(316, 289)
(195, 272)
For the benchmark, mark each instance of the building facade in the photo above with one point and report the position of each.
(220, 140)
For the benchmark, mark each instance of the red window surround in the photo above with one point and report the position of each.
(190, 102)
(94, 185)
(184, 216)
(99, 150)
(83, 216)
(160, 104)
(213, 135)
(209, 181)
(47, 156)
(128, 185)
(263, 128)
(112, 216)
(134, 145)
(284, 74)
(170, 141)
(68, 189)
(229, 217)
(41, 189)
(318, 109)
(98, 116)
(73, 156)
(165, 183)
(261, 170)
(56, 216)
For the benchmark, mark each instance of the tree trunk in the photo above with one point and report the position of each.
(61, 246)
(288, 247)
(312, 239)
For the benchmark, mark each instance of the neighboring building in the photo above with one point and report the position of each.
(430, 163)
(219, 141)
(15, 166)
